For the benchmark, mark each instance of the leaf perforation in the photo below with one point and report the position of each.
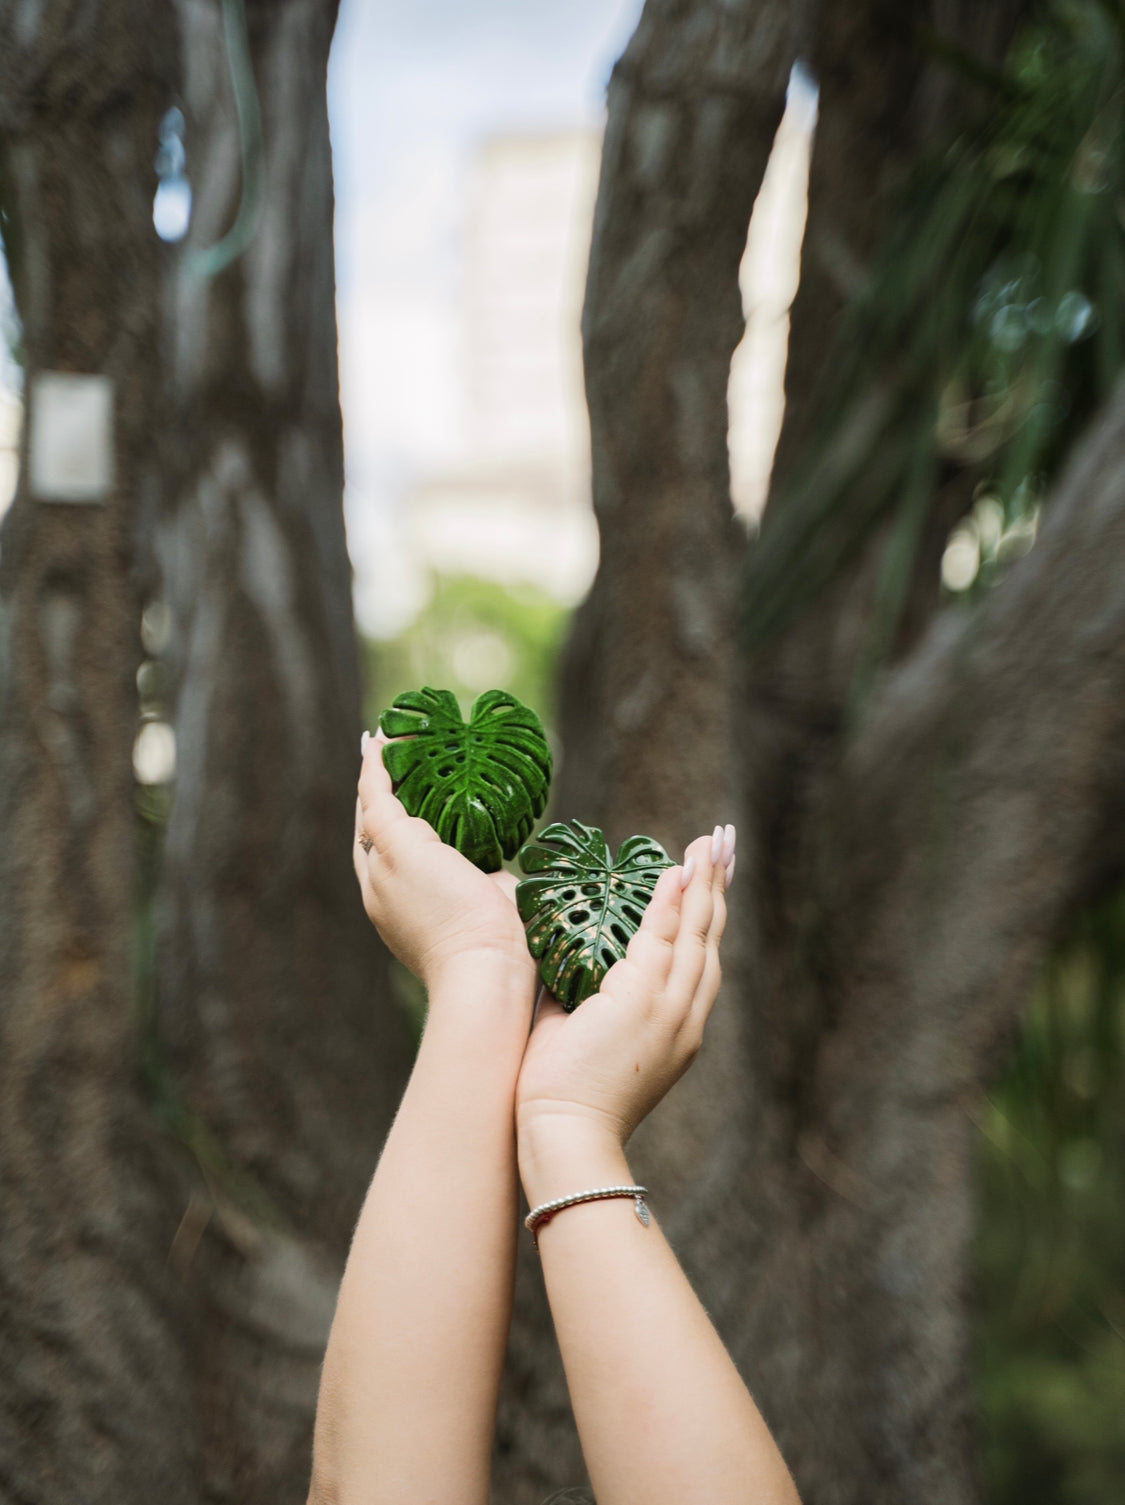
(575, 940)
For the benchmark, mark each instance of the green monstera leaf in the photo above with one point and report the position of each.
(580, 909)
(481, 783)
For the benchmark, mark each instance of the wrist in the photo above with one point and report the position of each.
(493, 971)
(561, 1153)
(479, 1013)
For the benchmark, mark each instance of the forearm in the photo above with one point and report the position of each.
(662, 1413)
(411, 1375)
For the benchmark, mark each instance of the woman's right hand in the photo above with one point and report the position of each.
(604, 1067)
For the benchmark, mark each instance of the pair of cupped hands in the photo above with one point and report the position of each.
(611, 1061)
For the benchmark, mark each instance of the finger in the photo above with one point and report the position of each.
(380, 809)
(712, 975)
(643, 971)
(719, 885)
(360, 858)
(696, 916)
(662, 913)
(708, 989)
(705, 994)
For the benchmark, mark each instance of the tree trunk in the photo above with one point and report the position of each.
(858, 1342)
(273, 988)
(167, 1290)
(94, 1359)
(900, 881)
(933, 860)
(648, 687)
(285, 1046)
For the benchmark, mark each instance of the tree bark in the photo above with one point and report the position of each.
(858, 1344)
(284, 1042)
(270, 978)
(648, 686)
(94, 1344)
(903, 877)
(944, 849)
(169, 1252)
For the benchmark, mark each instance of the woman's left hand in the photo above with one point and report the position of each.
(433, 908)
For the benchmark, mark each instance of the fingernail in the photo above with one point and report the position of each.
(728, 844)
(716, 845)
(730, 871)
(689, 868)
(363, 741)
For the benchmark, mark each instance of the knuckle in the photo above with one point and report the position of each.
(701, 928)
(691, 1036)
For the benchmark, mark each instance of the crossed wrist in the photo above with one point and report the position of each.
(502, 970)
(561, 1153)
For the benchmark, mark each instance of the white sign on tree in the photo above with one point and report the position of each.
(71, 434)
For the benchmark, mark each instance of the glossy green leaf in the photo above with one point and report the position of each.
(481, 784)
(581, 909)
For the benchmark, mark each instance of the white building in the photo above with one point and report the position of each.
(516, 504)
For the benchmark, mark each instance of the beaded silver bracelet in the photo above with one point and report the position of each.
(546, 1210)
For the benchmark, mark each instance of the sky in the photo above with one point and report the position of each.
(413, 89)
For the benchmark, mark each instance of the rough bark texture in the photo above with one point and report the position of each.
(272, 989)
(94, 1347)
(940, 851)
(648, 690)
(902, 878)
(169, 1253)
(856, 1337)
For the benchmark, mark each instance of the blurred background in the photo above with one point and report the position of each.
(568, 344)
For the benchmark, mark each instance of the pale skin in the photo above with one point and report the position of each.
(411, 1376)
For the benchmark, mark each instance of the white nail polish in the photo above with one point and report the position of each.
(689, 869)
(730, 871)
(728, 844)
(716, 845)
(363, 741)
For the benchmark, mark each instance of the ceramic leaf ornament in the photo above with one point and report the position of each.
(481, 783)
(580, 908)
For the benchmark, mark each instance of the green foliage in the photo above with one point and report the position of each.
(580, 908)
(991, 327)
(1050, 1255)
(480, 784)
(473, 634)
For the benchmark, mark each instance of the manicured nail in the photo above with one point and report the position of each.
(363, 741)
(689, 868)
(716, 845)
(730, 871)
(729, 837)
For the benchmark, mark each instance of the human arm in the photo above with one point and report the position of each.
(662, 1413)
(409, 1388)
